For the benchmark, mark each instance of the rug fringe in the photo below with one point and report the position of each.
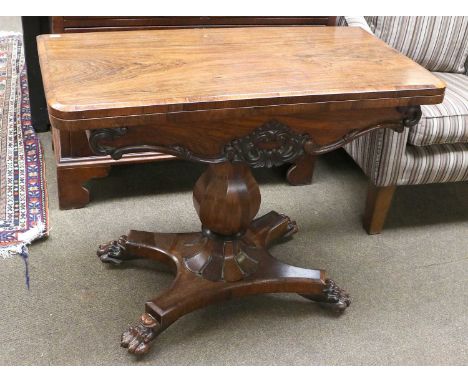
(24, 239)
(21, 248)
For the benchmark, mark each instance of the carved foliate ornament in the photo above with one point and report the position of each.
(272, 144)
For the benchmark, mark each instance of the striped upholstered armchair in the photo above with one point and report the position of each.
(436, 149)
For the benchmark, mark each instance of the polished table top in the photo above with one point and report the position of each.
(95, 75)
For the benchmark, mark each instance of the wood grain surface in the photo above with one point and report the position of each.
(113, 74)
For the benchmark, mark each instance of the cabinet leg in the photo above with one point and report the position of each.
(378, 203)
(70, 180)
(302, 171)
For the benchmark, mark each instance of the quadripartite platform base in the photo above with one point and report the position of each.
(211, 268)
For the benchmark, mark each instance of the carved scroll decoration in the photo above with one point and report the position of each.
(272, 144)
(97, 136)
(411, 116)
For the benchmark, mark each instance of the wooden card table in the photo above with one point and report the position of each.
(233, 99)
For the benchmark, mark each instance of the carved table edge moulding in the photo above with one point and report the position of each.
(229, 256)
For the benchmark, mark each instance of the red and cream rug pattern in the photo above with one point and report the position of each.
(23, 195)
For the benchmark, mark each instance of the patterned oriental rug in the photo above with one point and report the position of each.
(23, 197)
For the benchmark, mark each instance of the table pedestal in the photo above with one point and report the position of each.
(229, 258)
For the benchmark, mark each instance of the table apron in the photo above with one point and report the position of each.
(258, 142)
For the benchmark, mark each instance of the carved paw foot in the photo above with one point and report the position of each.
(291, 228)
(265, 230)
(115, 251)
(137, 339)
(336, 298)
(333, 297)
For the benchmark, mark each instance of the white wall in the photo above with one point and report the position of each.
(10, 23)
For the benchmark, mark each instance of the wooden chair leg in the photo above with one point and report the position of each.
(378, 203)
(71, 193)
(301, 172)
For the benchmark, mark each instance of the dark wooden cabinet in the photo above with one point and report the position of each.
(32, 27)
(61, 24)
(76, 164)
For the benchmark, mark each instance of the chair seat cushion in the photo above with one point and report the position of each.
(446, 122)
(434, 164)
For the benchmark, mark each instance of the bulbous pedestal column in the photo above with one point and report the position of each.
(226, 198)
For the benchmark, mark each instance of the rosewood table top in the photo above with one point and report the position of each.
(234, 99)
(95, 75)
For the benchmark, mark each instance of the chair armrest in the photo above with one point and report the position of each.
(357, 21)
